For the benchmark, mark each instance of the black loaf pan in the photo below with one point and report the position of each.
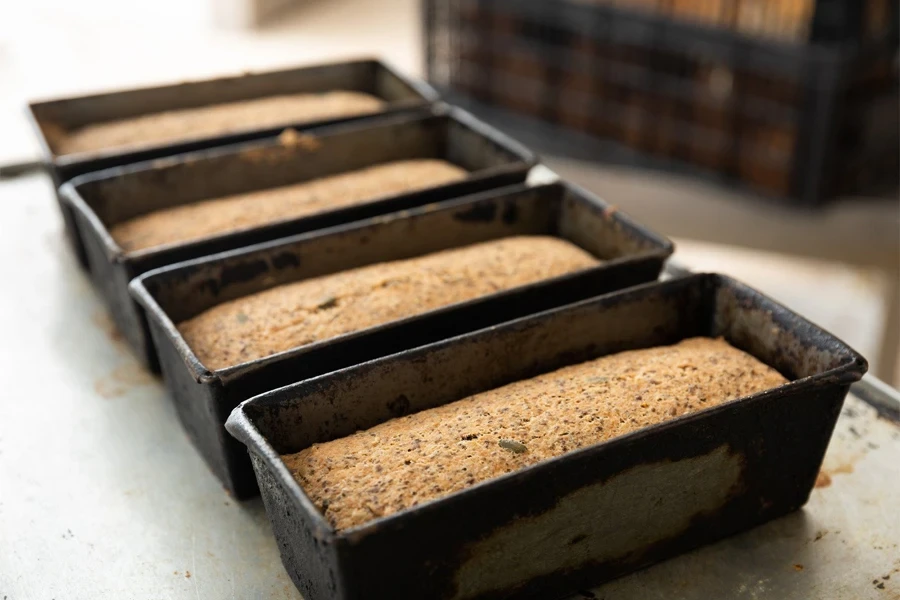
(102, 199)
(574, 521)
(204, 398)
(369, 76)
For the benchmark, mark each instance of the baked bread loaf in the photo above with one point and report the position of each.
(413, 459)
(300, 313)
(243, 211)
(217, 119)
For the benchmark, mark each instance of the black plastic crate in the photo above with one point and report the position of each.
(786, 20)
(802, 121)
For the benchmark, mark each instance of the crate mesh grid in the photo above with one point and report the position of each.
(766, 114)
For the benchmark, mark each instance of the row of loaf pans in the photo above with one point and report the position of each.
(183, 279)
(97, 201)
(50, 117)
(203, 398)
(559, 525)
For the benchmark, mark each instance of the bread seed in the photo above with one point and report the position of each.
(513, 446)
(327, 302)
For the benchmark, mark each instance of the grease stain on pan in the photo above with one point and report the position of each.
(479, 212)
(285, 260)
(635, 509)
(510, 213)
(242, 272)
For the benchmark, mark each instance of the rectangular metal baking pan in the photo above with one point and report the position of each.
(205, 398)
(368, 75)
(574, 521)
(102, 199)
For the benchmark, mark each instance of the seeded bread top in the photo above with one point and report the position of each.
(215, 119)
(427, 455)
(297, 314)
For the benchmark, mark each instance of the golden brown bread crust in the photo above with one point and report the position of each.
(297, 314)
(217, 119)
(410, 460)
(252, 209)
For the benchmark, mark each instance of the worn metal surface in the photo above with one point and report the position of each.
(100, 200)
(102, 497)
(370, 76)
(204, 399)
(582, 518)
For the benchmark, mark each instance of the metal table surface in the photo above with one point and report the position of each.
(103, 497)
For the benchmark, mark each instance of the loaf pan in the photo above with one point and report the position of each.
(574, 521)
(204, 399)
(370, 76)
(102, 199)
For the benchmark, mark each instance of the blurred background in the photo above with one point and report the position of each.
(761, 135)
